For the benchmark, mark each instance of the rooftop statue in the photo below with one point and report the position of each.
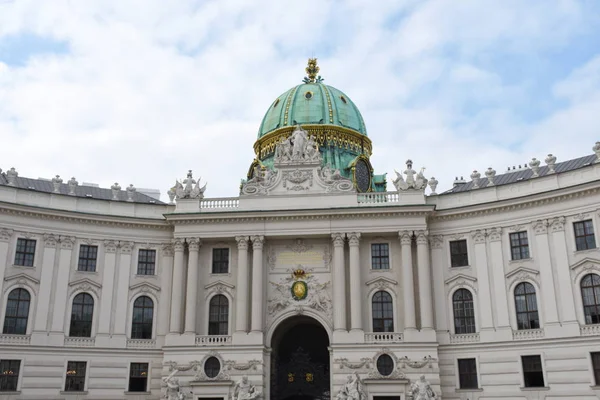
(421, 390)
(192, 189)
(418, 182)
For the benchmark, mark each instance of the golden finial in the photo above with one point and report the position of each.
(312, 70)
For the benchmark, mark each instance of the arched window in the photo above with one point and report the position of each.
(218, 317)
(143, 313)
(526, 307)
(82, 312)
(17, 312)
(383, 312)
(464, 313)
(590, 292)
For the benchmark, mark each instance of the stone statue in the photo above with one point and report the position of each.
(243, 390)
(421, 390)
(299, 138)
(330, 175)
(173, 388)
(413, 180)
(189, 191)
(352, 390)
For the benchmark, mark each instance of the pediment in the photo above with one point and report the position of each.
(588, 261)
(460, 276)
(22, 276)
(381, 281)
(85, 281)
(219, 283)
(522, 270)
(145, 285)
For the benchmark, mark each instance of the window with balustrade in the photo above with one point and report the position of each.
(526, 306)
(383, 312)
(590, 293)
(218, 315)
(82, 311)
(143, 316)
(464, 312)
(17, 312)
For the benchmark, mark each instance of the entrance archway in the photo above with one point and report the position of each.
(300, 360)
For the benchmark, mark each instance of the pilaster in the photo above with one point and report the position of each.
(339, 283)
(486, 325)
(191, 293)
(257, 284)
(38, 335)
(108, 280)
(356, 298)
(503, 330)
(119, 338)
(425, 293)
(408, 289)
(436, 244)
(177, 291)
(166, 278)
(60, 299)
(241, 301)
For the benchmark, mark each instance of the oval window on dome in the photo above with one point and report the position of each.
(362, 176)
(276, 102)
(308, 95)
(385, 364)
(212, 367)
(344, 99)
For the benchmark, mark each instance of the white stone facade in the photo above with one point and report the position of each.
(330, 235)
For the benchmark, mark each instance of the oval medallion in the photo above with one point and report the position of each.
(299, 290)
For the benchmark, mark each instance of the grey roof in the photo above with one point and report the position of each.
(87, 192)
(525, 174)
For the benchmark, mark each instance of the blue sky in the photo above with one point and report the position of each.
(140, 91)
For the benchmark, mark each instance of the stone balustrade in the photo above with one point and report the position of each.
(80, 342)
(376, 198)
(383, 337)
(15, 339)
(528, 334)
(141, 343)
(590, 330)
(220, 203)
(213, 340)
(464, 338)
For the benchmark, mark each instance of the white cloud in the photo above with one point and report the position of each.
(151, 89)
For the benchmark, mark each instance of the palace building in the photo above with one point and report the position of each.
(319, 281)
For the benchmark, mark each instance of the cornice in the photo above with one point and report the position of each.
(520, 203)
(81, 217)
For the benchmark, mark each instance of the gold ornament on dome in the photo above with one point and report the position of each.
(312, 72)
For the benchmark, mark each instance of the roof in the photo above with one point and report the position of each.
(83, 191)
(525, 174)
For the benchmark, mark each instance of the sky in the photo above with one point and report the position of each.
(140, 91)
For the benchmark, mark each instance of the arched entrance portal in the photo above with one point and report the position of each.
(300, 360)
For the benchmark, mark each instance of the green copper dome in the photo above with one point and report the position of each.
(312, 103)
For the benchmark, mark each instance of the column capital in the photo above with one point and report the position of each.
(354, 238)
(557, 224)
(338, 239)
(436, 241)
(5, 234)
(405, 238)
(178, 244)
(242, 242)
(67, 242)
(258, 241)
(478, 236)
(495, 234)
(126, 247)
(540, 227)
(110, 246)
(167, 249)
(193, 243)
(50, 240)
(422, 237)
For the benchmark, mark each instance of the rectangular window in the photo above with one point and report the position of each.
(146, 262)
(138, 377)
(220, 261)
(467, 373)
(596, 366)
(584, 235)
(519, 245)
(9, 375)
(533, 375)
(380, 256)
(87, 258)
(25, 252)
(75, 381)
(458, 253)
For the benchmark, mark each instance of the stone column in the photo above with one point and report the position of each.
(257, 283)
(439, 293)
(241, 301)
(123, 274)
(548, 294)
(567, 301)
(166, 278)
(60, 298)
(503, 331)
(425, 294)
(486, 323)
(177, 291)
(410, 321)
(339, 283)
(43, 301)
(108, 280)
(356, 298)
(192, 285)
